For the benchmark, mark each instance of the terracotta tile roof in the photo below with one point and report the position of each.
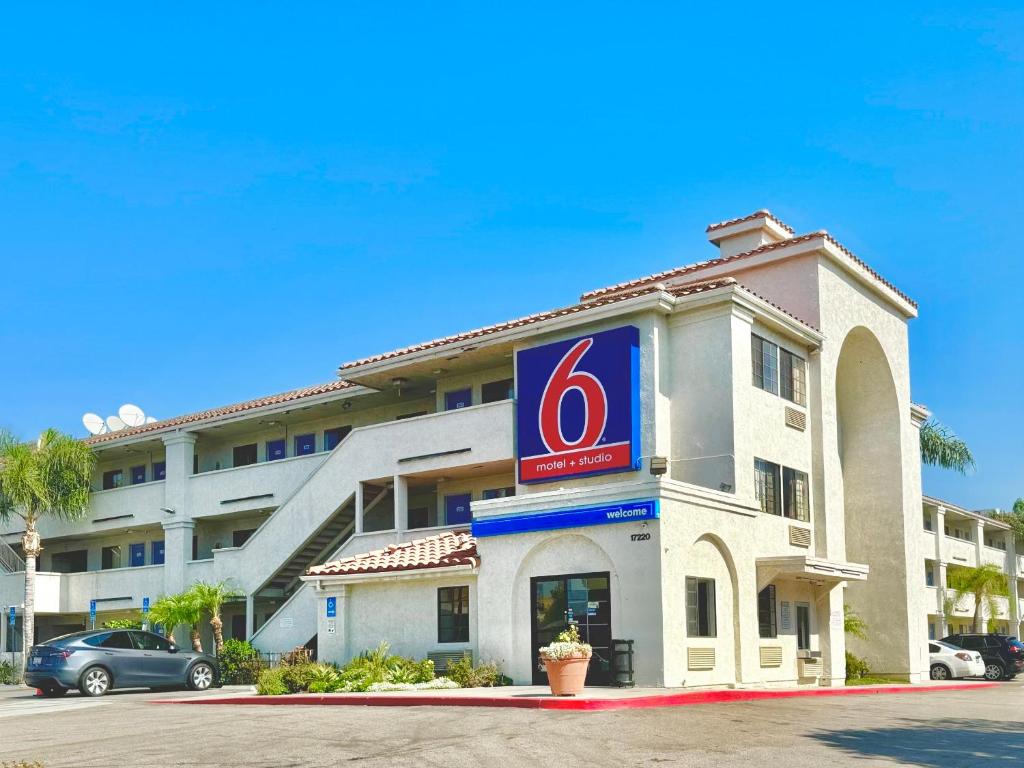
(227, 410)
(751, 217)
(531, 319)
(447, 549)
(633, 285)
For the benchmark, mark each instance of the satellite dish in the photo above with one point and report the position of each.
(114, 423)
(150, 420)
(94, 423)
(131, 415)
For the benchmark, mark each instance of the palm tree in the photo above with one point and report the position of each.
(985, 583)
(172, 611)
(941, 448)
(210, 598)
(50, 478)
(854, 624)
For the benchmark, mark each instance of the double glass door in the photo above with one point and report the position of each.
(583, 599)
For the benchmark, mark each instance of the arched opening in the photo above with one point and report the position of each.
(721, 564)
(871, 456)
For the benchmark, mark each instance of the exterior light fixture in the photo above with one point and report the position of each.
(659, 465)
(168, 510)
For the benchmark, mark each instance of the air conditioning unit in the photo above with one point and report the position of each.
(807, 668)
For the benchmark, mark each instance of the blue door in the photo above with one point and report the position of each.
(456, 509)
(157, 548)
(461, 398)
(138, 555)
(275, 450)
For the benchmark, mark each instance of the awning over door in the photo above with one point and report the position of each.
(814, 570)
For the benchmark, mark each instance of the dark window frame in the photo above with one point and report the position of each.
(764, 355)
(490, 391)
(767, 622)
(112, 549)
(796, 495)
(792, 377)
(768, 486)
(240, 459)
(454, 600)
(701, 609)
(109, 482)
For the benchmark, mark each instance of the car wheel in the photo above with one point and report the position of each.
(940, 672)
(52, 692)
(95, 682)
(200, 677)
(994, 671)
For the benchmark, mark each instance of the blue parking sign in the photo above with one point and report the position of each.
(92, 613)
(332, 607)
(12, 616)
(145, 605)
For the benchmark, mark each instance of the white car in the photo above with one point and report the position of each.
(949, 662)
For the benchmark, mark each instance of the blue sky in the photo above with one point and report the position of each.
(203, 205)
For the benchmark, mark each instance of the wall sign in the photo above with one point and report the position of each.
(625, 512)
(787, 620)
(332, 607)
(578, 406)
(13, 616)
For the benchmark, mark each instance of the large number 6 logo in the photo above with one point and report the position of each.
(563, 379)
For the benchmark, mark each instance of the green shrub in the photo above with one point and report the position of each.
(485, 675)
(6, 673)
(856, 667)
(239, 663)
(323, 678)
(271, 682)
(123, 624)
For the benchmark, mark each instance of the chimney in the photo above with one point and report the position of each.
(746, 233)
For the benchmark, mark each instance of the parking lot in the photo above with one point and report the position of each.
(978, 728)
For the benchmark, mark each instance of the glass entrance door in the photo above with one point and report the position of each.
(583, 599)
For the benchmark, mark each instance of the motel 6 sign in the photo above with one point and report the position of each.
(578, 406)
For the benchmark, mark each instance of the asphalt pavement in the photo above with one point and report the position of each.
(981, 728)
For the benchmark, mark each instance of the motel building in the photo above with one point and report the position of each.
(708, 462)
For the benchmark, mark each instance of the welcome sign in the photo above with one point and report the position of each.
(578, 406)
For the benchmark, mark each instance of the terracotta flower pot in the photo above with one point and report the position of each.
(567, 676)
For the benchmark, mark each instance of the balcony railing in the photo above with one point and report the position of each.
(9, 559)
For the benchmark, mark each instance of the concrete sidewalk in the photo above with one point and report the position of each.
(540, 697)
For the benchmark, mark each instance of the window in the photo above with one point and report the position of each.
(412, 415)
(419, 517)
(147, 641)
(195, 547)
(499, 493)
(195, 463)
(766, 486)
(117, 640)
(238, 538)
(275, 450)
(138, 474)
(456, 509)
(460, 398)
(793, 375)
(305, 445)
(798, 505)
(927, 522)
(453, 615)
(156, 549)
(159, 470)
(243, 455)
(803, 627)
(136, 555)
(495, 391)
(766, 625)
(765, 359)
(700, 607)
(932, 648)
(110, 558)
(15, 634)
(70, 562)
(113, 479)
(334, 436)
(929, 576)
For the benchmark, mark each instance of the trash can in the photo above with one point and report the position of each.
(622, 663)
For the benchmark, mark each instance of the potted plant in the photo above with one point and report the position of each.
(566, 661)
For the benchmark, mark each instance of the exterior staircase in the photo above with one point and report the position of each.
(10, 561)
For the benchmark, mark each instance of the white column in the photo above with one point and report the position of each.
(940, 578)
(332, 631)
(359, 503)
(250, 616)
(831, 636)
(401, 494)
(1011, 577)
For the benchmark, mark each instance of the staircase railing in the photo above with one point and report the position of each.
(9, 559)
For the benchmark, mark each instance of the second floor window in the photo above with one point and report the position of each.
(113, 479)
(797, 495)
(766, 486)
(782, 490)
(244, 455)
(496, 391)
(778, 371)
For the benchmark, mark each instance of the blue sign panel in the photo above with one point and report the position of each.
(12, 615)
(332, 607)
(626, 512)
(456, 509)
(145, 605)
(92, 614)
(578, 406)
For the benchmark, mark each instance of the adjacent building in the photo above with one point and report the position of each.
(708, 461)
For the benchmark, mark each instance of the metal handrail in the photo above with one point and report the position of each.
(9, 559)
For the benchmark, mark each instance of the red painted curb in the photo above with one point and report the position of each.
(539, 702)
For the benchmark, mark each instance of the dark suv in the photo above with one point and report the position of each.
(1003, 654)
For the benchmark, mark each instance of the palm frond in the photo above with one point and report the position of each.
(941, 448)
